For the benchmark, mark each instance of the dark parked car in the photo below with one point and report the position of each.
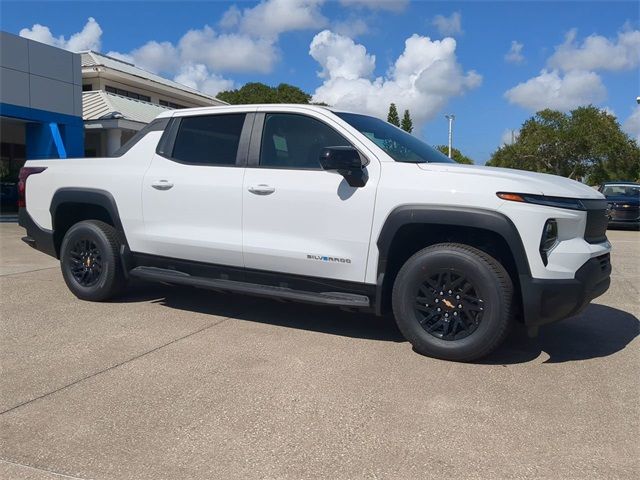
(8, 197)
(624, 203)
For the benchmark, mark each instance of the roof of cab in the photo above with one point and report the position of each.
(246, 108)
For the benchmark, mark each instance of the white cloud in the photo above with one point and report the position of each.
(229, 52)
(247, 42)
(571, 79)
(89, 38)
(389, 5)
(231, 18)
(597, 52)
(514, 55)
(270, 18)
(352, 27)
(152, 56)
(447, 26)
(125, 57)
(551, 89)
(341, 57)
(632, 124)
(198, 77)
(422, 79)
(222, 52)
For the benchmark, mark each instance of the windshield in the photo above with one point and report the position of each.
(621, 190)
(398, 144)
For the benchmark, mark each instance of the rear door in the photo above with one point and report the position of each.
(298, 218)
(192, 192)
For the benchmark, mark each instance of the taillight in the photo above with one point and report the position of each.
(22, 183)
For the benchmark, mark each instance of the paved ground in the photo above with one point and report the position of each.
(178, 383)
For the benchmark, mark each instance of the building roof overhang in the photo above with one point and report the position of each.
(112, 123)
(105, 108)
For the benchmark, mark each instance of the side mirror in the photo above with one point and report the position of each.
(347, 162)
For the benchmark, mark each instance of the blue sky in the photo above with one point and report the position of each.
(454, 61)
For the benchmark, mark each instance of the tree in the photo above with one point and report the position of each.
(587, 143)
(252, 93)
(455, 154)
(393, 117)
(407, 123)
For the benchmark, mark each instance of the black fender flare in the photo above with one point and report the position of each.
(489, 220)
(89, 196)
(92, 196)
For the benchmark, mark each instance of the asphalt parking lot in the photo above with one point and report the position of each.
(183, 383)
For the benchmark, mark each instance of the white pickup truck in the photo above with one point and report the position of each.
(311, 204)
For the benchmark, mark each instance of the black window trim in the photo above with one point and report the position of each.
(165, 145)
(167, 142)
(258, 132)
(155, 125)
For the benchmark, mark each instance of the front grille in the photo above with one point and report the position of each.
(597, 220)
(625, 213)
(605, 261)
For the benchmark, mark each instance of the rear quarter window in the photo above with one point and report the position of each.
(156, 125)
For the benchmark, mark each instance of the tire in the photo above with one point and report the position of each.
(472, 321)
(90, 261)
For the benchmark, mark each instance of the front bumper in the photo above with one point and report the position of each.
(634, 224)
(546, 301)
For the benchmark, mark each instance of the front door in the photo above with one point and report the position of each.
(298, 218)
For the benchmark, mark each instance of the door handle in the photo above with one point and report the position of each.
(262, 189)
(162, 185)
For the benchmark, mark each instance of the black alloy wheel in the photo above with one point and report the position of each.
(449, 305)
(90, 260)
(85, 262)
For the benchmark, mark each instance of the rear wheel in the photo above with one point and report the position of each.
(90, 261)
(453, 301)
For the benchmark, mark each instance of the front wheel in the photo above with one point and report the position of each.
(453, 301)
(90, 261)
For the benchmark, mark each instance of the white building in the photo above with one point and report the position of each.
(119, 99)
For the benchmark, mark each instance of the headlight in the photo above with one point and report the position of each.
(549, 239)
(558, 202)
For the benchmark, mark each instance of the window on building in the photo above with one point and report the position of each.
(295, 141)
(87, 87)
(209, 139)
(166, 103)
(127, 93)
(12, 157)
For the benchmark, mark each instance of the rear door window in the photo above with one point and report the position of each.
(209, 139)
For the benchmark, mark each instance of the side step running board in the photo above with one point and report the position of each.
(181, 278)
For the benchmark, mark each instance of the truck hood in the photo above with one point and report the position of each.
(519, 181)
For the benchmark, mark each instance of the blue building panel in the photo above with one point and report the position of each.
(48, 134)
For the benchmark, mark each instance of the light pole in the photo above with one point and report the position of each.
(451, 118)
